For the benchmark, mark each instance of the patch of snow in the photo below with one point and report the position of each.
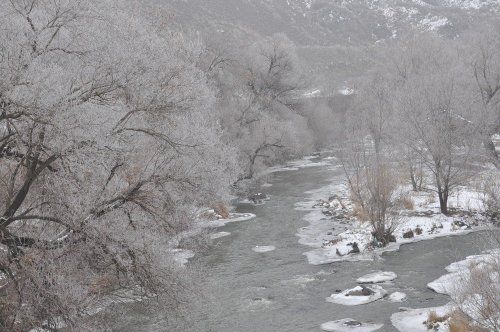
(233, 217)
(413, 319)
(377, 277)
(470, 4)
(345, 299)
(262, 249)
(346, 91)
(312, 94)
(350, 325)
(459, 272)
(432, 23)
(182, 256)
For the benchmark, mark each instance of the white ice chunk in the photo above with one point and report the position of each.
(397, 297)
(219, 235)
(345, 299)
(261, 249)
(350, 325)
(376, 277)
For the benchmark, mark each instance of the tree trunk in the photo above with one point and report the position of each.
(443, 201)
(492, 152)
(413, 180)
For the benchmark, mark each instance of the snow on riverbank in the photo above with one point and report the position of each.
(414, 319)
(233, 217)
(459, 272)
(474, 286)
(182, 256)
(464, 282)
(295, 165)
(336, 235)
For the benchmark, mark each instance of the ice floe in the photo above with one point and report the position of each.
(262, 249)
(182, 256)
(218, 235)
(358, 295)
(233, 217)
(350, 325)
(376, 277)
(397, 297)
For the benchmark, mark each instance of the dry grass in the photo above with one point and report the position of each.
(433, 318)
(431, 199)
(458, 322)
(103, 283)
(359, 213)
(407, 202)
(221, 209)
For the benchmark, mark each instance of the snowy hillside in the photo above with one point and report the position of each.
(329, 22)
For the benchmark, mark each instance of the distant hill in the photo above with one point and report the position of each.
(333, 22)
(334, 36)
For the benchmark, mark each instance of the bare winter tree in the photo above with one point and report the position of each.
(255, 99)
(483, 56)
(104, 158)
(435, 102)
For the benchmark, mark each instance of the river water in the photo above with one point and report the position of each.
(279, 291)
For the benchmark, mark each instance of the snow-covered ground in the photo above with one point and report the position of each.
(414, 319)
(474, 286)
(333, 230)
(457, 284)
(182, 255)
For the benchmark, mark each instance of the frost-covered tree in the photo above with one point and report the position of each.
(107, 148)
(482, 55)
(435, 105)
(257, 86)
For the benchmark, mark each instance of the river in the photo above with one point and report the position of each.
(279, 291)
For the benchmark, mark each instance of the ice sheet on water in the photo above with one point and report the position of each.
(350, 325)
(345, 298)
(377, 277)
(262, 249)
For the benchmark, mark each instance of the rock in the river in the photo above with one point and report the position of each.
(408, 235)
(258, 198)
(355, 248)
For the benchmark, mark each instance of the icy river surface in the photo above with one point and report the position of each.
(277, 290)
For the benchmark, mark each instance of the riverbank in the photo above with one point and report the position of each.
(336, 233)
